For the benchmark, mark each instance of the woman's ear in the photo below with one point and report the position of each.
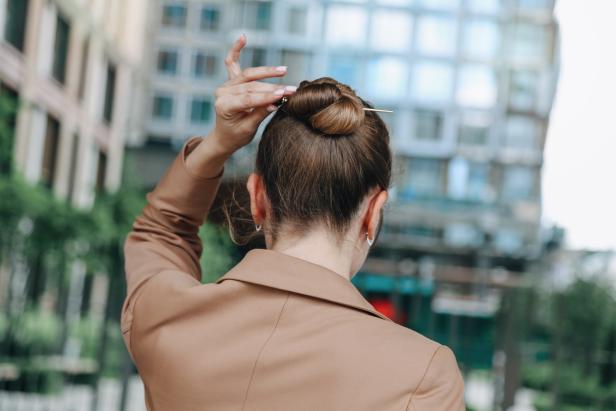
(257, 197)
(374, 213)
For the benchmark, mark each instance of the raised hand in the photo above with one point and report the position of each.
(243, 102)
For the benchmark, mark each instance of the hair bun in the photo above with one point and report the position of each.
(327, 105)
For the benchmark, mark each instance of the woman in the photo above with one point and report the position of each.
(284, 329)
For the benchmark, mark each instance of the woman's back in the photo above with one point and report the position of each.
(274, 333)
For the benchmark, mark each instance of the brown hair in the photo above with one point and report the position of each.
(319, 156)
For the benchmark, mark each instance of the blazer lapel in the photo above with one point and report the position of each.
(274, 269)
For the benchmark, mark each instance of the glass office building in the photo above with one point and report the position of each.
(471, 83)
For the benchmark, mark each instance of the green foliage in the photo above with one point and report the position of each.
(219, 252)
(36, 331)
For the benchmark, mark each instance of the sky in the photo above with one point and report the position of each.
(579, 187)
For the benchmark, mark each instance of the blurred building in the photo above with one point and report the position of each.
(471, 83)
(72, 66)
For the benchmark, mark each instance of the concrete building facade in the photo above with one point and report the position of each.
(72, 65)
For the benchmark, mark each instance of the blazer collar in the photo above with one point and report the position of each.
(274, 269)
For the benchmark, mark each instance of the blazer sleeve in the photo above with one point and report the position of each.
(165, 235)
(442, 386)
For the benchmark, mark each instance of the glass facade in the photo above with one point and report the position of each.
(15, 22)
(205, 65)
(210, 18)
(200, 110)
(391, 31)
(436, 35)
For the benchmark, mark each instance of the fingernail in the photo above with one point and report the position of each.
(279, 92)
(271, 108)
(290, 88)
(282, 69)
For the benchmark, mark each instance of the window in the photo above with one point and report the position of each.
(391, 31)
(436, 35)
(109, 93)
(523, 90)
(50, 152)
(162, 108)
(253, 57)
(481, 39)
(72, 176)
(205, 65)
(60, 49)
(424, 177)
(210, 18)
(432, 82)
(344, 69)
(521, 132)
(387, 77)
(297, 63)
(83, 70)
(200, 110)
(484, 6)
(346, 25)
(468, 180)
(508, 241)
(440, 4)
(530, 42)
(257, 15)
(428, 125)
(174, 15)
(296, 23)
(101, 171)
(474, 129)
(518, 183)
(167, 62)
(476, 86)
(15, 22)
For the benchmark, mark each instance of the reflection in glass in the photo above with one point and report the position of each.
(391, 30)
(476, 86)
(346, 25)
(436, 35)
(432, 81)
(521, 132)
(481, 39)
(387, 77)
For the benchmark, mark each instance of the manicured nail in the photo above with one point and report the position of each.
(279, 92)
(271, 108)
(281, 69)
(290, 88)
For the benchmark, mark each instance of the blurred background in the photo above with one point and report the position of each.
(499, 237)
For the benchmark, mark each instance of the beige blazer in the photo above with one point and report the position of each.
(274, 333)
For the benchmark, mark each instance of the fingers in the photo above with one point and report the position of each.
(252, 87)
(258, 73)
(231, 103)
(232, 60)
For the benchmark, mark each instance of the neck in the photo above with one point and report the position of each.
(318, 247)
